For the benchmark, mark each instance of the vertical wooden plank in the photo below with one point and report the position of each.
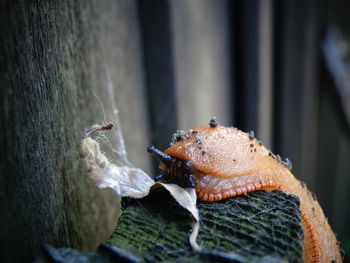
(309, 126)
(328, 150)
(253, 66)
(288, 82)
(340, 207)
(246, 63)
(202, 67)
(334, 147)
(310, 97)
(265, 102)
(335, 169)
(159, 69)
(296, 50)
(53, 55)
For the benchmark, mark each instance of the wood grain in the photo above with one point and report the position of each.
(53, 56)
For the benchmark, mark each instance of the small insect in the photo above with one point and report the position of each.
(210, 169)
(96, 127)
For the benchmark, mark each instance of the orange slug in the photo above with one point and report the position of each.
(222, 162)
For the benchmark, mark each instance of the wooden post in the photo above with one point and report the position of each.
(54, 55)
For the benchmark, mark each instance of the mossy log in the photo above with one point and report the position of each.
(256, 227)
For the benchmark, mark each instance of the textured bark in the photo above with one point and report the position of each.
(53, 56)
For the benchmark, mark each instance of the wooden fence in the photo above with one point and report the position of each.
(165, 65)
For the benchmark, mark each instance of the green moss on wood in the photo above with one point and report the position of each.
(257, 227)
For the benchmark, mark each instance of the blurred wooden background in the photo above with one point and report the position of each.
(166, 65)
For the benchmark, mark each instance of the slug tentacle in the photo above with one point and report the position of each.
(163, 157)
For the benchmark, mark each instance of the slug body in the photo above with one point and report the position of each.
(228, 162)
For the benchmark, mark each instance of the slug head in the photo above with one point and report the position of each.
(174, 170)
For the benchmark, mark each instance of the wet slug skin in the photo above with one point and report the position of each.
(222, 162)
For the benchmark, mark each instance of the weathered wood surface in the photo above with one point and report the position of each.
(254, 227)
(53, 56)
(187, 59)
(157, 42)
(257, 227)
(201, 49)
(296, 127)
(308, 124)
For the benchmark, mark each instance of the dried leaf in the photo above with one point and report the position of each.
(132, 182)
(124, 180)
(187, 198)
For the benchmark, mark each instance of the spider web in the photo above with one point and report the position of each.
(256, 227)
